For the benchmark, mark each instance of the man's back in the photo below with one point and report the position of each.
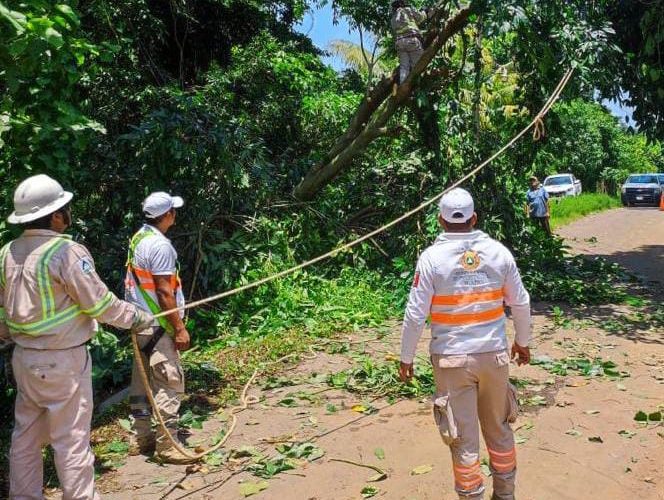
(462, 282)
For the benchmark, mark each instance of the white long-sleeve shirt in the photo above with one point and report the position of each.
(462, 282)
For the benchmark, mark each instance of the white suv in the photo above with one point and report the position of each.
(562, 185)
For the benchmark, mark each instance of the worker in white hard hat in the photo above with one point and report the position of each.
(153, 284)
(51, 300)
(462, 282)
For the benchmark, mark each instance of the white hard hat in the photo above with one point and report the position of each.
(159, 203)
(457, 206)
(36, 197)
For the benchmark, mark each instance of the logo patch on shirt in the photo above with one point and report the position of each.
(416, 280)
(86, 266)
(470, 260)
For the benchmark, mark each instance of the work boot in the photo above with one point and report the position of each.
(143, 442)
(142, 445)
(166, 453)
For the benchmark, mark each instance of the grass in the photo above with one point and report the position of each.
(570, 208)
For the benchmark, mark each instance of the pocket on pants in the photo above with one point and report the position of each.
(169, 374)
(444, 417)
(512, 404)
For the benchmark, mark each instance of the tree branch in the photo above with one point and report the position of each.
(377, 108)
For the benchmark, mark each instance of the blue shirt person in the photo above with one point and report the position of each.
(538, 204)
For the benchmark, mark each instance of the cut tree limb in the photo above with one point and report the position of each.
(377, 107)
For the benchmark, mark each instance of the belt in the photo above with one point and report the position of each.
(410, 35)
(156, 337)
(48, 349)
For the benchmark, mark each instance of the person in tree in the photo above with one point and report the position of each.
(537, 200)
(462, 283)
(405, 25)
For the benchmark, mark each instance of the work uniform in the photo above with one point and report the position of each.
(152, 254)
(405, 26)
(51, 299)
(462, 282)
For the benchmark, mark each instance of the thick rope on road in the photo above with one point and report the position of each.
(246, 400)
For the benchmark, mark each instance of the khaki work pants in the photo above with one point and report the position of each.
(53, 406)
(167, 382)
(474, 389)
(409, 50)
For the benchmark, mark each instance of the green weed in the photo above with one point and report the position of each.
(570, 208)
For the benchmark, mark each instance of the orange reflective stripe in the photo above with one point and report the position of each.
(142, 273)
(504, 467)
(468, 468)
(504, 461)
(466, 298)
(467, 318)
(502, 454)
(469, 485)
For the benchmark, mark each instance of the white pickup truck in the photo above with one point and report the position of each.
(562, 185)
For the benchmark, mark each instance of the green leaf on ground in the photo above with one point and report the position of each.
(421, 469)
(380, 453)
(288, 402)
(369, 491)
(627, 434)
(248, 489)
(330, 408)
(641, 416)
(125, 424)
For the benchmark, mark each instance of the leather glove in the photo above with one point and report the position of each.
(142, 321)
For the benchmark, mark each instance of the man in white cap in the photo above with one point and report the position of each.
(462, 282)
(51, 299)
(153, 284)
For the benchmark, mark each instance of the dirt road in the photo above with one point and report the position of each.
(577, 437)
(632, 237)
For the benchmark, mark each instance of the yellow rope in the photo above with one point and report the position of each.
(245, 400)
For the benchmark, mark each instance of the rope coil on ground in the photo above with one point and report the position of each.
(245, 400)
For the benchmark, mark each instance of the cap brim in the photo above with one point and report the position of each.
(66, 197)
(178, 202)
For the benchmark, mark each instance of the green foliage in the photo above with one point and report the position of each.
(567, 209)
(383, 380)
(590, 143)
(43, 57)
(587, 367)
(550, 273)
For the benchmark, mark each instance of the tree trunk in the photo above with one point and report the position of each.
(376, 109)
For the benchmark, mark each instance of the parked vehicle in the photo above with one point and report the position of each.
(562, 185)
(641, 189)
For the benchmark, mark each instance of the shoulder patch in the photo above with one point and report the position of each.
(86, 266)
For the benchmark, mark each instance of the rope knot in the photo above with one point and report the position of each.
(538, 129)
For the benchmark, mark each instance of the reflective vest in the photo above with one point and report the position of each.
(51, 315)
(143, 280)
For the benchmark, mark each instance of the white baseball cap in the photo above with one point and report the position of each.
(159, 203)
(457, 206)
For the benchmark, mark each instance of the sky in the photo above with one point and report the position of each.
(320, 27)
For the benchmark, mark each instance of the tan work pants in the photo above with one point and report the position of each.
(166, 379)
(53, 406)
(474, 389)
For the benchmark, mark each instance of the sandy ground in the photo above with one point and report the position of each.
(556, 458)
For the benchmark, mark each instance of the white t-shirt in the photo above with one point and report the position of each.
(157, 255)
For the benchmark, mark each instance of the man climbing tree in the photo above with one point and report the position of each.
(405, 24)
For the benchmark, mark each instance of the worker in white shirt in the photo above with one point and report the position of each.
(462, 282)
